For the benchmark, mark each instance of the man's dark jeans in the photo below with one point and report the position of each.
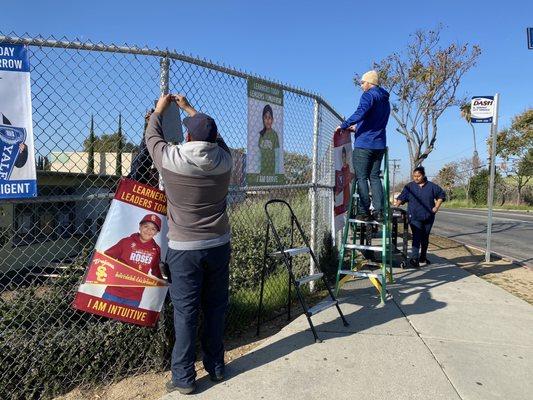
(367, 165)
(199, 278)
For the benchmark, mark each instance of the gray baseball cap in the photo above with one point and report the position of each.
(201, 127)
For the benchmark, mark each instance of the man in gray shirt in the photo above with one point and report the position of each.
(196, 176)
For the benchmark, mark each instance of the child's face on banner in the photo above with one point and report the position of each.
(147, 231)
(268, 120)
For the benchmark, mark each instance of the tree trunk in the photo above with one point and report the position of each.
(519, 197)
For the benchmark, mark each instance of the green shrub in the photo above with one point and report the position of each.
(48, 348)
(479, 185)
(248, 225)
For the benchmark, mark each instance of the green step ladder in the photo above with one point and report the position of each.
(357, 238)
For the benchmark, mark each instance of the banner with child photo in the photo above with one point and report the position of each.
(124, 280)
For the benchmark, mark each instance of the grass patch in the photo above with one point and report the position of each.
(465, 204)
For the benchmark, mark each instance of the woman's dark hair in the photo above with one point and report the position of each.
(266, 109)
(420, 169)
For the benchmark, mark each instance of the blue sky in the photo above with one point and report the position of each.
(318, 46)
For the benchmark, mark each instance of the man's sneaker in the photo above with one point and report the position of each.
(216, 377)
(414, 263)
(378, 216)
(425, 261)
(171, 387)
(363, 217)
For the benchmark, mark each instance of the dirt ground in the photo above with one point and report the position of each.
(515, 279)
(151, 386)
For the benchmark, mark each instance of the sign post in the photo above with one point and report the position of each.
(490, 200)
(484, 109)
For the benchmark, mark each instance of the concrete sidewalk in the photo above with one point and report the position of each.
(446, 335)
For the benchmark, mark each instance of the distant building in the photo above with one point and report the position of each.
(77, 161)
(74, 207)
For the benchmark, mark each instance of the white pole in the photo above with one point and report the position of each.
(494, 133)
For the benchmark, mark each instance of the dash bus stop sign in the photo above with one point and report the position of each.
(530, 38)
(482, 109)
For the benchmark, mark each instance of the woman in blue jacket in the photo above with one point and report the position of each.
(424, 199)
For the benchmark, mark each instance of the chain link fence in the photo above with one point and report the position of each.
(89, 106)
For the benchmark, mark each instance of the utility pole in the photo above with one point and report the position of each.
(395, 167)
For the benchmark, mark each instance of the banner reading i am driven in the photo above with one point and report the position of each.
(17, 152)
(264, 161)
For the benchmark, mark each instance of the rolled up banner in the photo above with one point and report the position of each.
(17, 159)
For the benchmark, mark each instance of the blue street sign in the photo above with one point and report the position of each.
(530, 38)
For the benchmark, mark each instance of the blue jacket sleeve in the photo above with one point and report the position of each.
(440, 193)
(364, 105)
(404, 195)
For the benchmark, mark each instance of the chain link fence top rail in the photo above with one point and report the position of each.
(89, 105)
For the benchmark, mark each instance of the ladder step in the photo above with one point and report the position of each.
(291, 252)
(310, 278)
(363, 247)
(321, 306)
(360, 274)
(358, 221)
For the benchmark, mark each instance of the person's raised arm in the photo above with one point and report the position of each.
(153, 136)
(184, 104)
(364, 105)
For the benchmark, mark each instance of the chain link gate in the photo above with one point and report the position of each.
(89, 107)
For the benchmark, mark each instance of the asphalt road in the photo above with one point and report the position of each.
(512, 232)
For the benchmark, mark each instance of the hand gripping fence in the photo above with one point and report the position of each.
(89, 104)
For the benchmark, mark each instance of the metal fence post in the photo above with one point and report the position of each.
(164, 69)
(314, 192)
(163, 75)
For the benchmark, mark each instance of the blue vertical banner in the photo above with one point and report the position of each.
(17, 152)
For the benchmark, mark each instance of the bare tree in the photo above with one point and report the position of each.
(520, 171)
(423, 83)
(466, 169)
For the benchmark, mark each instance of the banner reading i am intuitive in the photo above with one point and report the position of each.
(17, 155)
(264, 161)
(123, 280)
